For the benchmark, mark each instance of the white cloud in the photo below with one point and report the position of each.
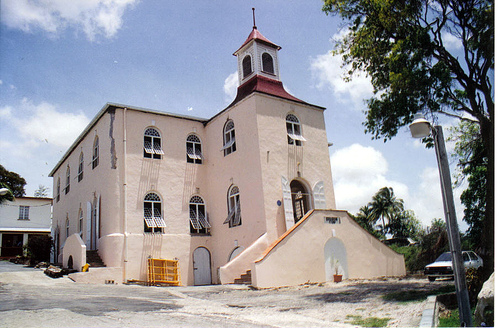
(94, 17)
(44, 123)
(327, 70)
(6, 112)
(358, 173)
(451, 42)
(231, 86)
(34, 137)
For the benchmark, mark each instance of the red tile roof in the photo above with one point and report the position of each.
(262, 84)
(256, 35)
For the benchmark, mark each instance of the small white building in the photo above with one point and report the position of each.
(248, 190)
(20, 219)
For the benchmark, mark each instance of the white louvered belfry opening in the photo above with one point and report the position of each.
(293, 130)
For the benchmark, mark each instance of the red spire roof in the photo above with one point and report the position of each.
(256, 35)
(262, 84)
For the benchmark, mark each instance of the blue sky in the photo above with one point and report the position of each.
(62, 61)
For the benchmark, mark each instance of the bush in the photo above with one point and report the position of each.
(414, 261)
(38, 248)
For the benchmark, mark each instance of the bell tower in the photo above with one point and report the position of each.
(257, 56)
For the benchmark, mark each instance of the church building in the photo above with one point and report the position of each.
(246, 192)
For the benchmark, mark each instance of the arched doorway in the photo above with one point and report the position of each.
(237, 251)
(335, 259)
(300, 199)
(202, 267)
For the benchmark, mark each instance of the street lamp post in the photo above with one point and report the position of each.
(420, 128)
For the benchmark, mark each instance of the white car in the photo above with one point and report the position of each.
(442, 267)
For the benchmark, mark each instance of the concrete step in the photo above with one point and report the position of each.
(245, 279)
(94, 259)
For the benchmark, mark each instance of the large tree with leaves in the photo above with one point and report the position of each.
(472, 163)
(13, 181)
(403, 46)
(385, 207)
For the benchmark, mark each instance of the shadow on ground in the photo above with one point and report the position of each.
(389, 292)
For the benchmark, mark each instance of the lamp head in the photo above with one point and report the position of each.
(420, 127)
(4, 191)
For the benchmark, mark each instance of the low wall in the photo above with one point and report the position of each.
(98, 276)
(244, 261)
(75, 248)
(305, 253)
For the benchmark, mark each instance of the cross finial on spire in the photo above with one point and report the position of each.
(254, 26)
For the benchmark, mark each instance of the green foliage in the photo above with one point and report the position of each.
(8, 196)
(42, 191)
(12, 181)
(38, 248)
(474, 284)
(430, 244)
(469, 151)
(402, 47)
(357, 320)
(362, 219)
(384, 206)
(389, 210)
(404, 224)
(451, 319)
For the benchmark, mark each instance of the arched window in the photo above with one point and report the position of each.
(229, 138)
(233, 207)
(80, 167)
(193, 149)
(152, 144)
(267, 63)
(95, 153)
(293, 130)
(68, 180)
(247, 66)
(80, 222)
(67, 225)
(58, 189)
(153, 219)
(198, 216)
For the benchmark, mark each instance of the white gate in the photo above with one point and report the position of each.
(202, 267)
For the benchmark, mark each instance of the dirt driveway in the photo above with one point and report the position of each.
(28, 298)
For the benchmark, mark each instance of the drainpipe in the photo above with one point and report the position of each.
(124, 204)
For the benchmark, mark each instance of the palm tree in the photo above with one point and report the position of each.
(384, 205)
(363, 219)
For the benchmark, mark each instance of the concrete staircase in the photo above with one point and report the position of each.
(245, 279)
(94, 259)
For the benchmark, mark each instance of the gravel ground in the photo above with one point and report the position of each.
(29, 298)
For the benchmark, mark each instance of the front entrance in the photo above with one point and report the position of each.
(201, 267)
(300, 200)
(12, 244)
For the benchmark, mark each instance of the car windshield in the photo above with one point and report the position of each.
(444, 257)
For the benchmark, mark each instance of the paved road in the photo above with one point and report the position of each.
(29, 298)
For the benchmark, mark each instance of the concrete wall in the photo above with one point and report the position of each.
(75, 248)
(40, 214)
(101, 182)
(299, 255)
(124, 177)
